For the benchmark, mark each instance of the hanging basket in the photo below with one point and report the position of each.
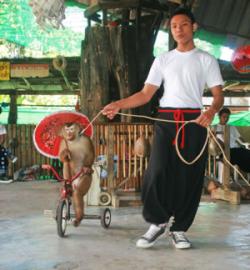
(142, 147)
(59, 63)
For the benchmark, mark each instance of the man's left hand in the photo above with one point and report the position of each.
(206, 118)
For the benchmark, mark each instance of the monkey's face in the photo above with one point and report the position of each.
(70, 132)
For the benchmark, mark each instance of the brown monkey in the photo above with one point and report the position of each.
(77, 152)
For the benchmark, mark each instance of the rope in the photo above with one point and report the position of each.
(177, 146)
(90, 123)
(225, 158)
(184, 123)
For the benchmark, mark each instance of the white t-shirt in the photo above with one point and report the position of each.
(185, 76)
(234, 134)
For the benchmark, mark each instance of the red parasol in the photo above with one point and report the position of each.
(241, 59)
(46, 134)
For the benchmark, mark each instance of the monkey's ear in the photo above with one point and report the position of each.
(78, 129)
(195, 27)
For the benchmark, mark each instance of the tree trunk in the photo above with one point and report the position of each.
(115, 62)
(12, 118)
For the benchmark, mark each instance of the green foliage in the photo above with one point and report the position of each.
(25, 37)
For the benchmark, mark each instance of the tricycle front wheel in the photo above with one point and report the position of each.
(62, 217)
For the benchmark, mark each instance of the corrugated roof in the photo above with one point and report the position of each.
(230, 17)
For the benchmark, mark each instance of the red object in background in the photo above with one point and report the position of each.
(113, 23)
(77, 106)
(241, 59)
(46, 135)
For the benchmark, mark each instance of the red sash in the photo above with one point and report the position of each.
(179, 116)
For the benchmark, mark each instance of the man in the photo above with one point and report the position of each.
(238, 155)
(172, 188)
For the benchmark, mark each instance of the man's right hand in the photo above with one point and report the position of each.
(111, 110)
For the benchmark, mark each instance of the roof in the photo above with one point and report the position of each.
(229, 17)
(223, 22)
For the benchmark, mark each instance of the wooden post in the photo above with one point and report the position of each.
(225, 193)
(110, 159)
(12, 118)
(226, 167)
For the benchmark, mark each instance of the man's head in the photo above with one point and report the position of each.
(182, 25)
(183, 11)
(224, 115)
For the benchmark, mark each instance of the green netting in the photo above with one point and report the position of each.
(210, 42)
(207, 41)
(32, 115)
(240, 119)
(18, 25)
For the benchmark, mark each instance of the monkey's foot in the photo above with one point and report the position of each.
(76, 222)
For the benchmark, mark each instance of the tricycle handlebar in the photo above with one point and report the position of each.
(84, 170)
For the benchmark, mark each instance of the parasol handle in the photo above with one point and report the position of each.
(67, 163)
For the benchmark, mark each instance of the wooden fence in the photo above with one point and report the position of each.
(116, 142)
(113, 142)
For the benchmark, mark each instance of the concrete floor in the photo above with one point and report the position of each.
(28, 239)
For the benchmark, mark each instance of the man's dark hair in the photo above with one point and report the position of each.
(224, 110)
(183, 11)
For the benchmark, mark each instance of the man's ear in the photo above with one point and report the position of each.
(195, 27)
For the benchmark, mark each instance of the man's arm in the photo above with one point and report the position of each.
(136, 100)
(206, 118)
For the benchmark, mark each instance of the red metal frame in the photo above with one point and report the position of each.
(66, 191)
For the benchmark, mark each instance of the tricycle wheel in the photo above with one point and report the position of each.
(105, 218)
(104, 198)
(62, 216)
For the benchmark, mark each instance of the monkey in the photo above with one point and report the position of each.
(76, 151)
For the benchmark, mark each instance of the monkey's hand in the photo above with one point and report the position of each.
(65, 155)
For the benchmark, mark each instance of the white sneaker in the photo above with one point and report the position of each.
(14, 159)
(151, 236)
(7, 181)
(180, 241)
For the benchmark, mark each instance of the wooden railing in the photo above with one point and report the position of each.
(116, 142)
(113, 142)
